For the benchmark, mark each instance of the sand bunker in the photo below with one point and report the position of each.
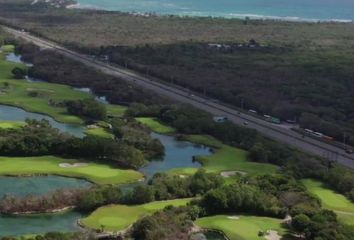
(234, 217)
(273, 235)
(74, 165)
(227, 174)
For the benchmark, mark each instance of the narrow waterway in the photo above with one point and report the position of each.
(178, 154)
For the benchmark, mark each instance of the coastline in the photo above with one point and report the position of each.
(199, 14)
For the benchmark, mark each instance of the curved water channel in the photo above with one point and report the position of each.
(178, 154)
(8, 113)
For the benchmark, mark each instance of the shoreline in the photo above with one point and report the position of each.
(196, 14)
(49, 211)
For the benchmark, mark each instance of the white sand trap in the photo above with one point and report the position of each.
(234, 217)
(182, 176)
(74, 165)
(273, 235)
(227, 174)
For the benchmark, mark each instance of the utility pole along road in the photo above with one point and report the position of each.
(267, 129)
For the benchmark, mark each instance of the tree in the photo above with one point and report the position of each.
(19, 73)
(300, 223)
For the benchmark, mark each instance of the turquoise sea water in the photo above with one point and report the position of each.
(295, 10)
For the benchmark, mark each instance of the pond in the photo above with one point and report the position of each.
(8, 113)
(209, 235)
(38, 224)
(12, 57)
(178, 154)
(23, 186)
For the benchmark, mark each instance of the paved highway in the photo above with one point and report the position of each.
(267, 129)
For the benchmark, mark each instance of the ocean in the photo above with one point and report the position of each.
(292, 10)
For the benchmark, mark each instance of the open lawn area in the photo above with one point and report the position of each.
(98, 132)
(115, 110)
(332, 200)
(120, 217)
(241, 227)
(225, 158)
(94, 172)
(155, 125)
(35, 96)
(11, 124)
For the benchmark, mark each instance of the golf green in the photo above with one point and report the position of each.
(155, 125)
(94, 172)
(241, 227)
(120, 217)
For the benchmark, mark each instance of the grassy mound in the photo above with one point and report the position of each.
(120, 217)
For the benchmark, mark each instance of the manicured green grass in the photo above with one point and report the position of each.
(8, 48)
(155, 125)
(99, 132)
(17, 93)
(11, 124)
(227, 158)
(346, 218)
(94, 172)
(244, 228)
(115, 110)
(330, 199)
(120, 217)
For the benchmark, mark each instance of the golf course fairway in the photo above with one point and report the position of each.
(331, 200)
(95, 172)
(225, 158)
(241, 227)
(120, 217)
(155, 125)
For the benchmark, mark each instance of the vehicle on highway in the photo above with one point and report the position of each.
(252, 111)
(349, 151)
(245, 123)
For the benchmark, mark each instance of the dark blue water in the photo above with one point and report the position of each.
(8, 113)
(297, 10)
(12, 57)
(178, 154)
(23, 186)
(38, 224)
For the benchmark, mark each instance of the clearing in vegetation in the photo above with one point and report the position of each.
(94, 172)
(241, 227)
(99, 132)
(120, 217)
(11, 124)
(155, 125)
